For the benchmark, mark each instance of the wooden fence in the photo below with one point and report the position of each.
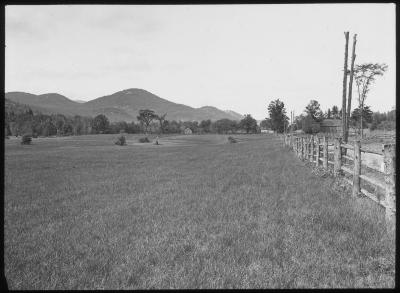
(316, 150)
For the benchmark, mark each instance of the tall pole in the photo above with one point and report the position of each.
(353, 57)
(346, 48)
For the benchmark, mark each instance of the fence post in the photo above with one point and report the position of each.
(325, 152)
(312, 148)
(317, 152)
(305, 148)
(389, 161)
(291, 141)
(357, 168)
(302, 148)
(337, 157)
(298, 147)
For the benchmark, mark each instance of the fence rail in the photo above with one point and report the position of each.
(308, 147)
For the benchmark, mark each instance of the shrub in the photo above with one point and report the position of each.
(7, 137)
(34, 135)
(26, 139)
(231, 139)
(121, 140)
(144, 139)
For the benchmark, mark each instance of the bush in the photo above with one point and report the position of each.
(144, 139)
(26, 139)
(231, 139)
(7, 137)
(34, 135)
(121, 140)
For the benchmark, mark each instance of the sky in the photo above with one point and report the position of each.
(237, 57)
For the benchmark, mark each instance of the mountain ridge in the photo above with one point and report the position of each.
(120, 106)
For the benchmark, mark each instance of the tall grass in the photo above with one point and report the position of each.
(83, 213)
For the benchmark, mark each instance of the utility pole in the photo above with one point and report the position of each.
(353, 57)
(346, 48)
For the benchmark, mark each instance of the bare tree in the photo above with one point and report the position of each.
(161, 119)
(365, 74)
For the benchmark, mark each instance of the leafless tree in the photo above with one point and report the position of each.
(364, 75)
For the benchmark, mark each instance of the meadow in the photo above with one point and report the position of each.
(193, 212)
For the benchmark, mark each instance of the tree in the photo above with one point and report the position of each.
(266, 123)
(277, 114)
(248, 123)
(225, 125)
(366, 116)
(161, 120)
(59, 123)
(100, 123)
(335, 112)
(328, 114)
(313, 109)
(145, 117)
(206, 125)
(364, 75)
(309, 125)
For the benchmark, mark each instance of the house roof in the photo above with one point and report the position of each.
(331, 123)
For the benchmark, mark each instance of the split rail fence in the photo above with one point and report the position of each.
(315, 149)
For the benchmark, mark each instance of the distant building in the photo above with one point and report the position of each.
(331, 126)
(267, 131)
(188, 131)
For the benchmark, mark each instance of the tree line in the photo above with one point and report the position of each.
(19, 122)
(312, 115)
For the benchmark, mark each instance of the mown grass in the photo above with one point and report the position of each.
(83, 213)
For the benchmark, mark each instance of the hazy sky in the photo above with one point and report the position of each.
(237, 57)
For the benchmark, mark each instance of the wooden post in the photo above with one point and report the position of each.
(302, 148)
(325, 152)
(389, 161)
(346, 49)
(357, 168)
(337, 157)
(298, 147)
(291, 142)
(312, 148)
(306, 148)
(353, 57)
(317, 152)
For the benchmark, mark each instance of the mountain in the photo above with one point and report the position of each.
(120, 106)
(234, 114)
(48, 103)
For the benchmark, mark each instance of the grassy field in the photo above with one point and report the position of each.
(194, 212)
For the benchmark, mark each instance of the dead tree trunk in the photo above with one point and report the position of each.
(353, 57)
(346, 49)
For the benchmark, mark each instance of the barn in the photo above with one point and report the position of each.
(331, 126)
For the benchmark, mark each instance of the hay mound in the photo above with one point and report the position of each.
(232, 139)
(144, 139)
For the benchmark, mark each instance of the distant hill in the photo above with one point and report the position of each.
(48, 103)
(235, 114)
(120, 106)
